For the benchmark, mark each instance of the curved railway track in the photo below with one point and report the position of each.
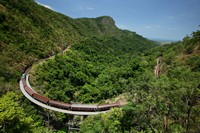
(75, 109)
(54, 108)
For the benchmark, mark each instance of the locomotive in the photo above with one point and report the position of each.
(67, 106)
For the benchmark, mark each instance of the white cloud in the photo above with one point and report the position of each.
(188, 14)
(180, 16)
(174, 28)
(165, 27)
(80, 8)
(158, 26)
(171, 17)
(47, 6)
(84, 8)
(90, 8)
(121, 26)
(147, 27)
(183, 14)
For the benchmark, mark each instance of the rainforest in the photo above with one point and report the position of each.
(92, 61)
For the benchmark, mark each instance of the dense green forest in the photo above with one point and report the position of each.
(93, 70)
(102, 63)
(169, 103)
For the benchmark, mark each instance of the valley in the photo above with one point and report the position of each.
(92, 61)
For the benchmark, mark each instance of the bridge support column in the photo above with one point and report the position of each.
(73, 124)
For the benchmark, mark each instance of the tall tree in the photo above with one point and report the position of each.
(12, 117)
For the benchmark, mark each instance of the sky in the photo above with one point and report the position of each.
(153, 19)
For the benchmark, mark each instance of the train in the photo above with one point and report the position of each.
(67, 106)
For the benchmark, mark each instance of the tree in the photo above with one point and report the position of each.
(109, 122)
(12, 117)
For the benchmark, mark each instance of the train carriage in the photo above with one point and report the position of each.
(103, 107)
(84, 107)
(41, 98)
(24, 82)
(59, 104)
(29, 90)
(73, 107)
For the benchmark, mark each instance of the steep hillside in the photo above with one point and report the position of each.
(91, 71)
(102, 63)
(168, 102)
(30, 32)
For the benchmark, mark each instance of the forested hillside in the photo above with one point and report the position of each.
(102, 63)
(167, 103)
(93, 70)
(30, 32)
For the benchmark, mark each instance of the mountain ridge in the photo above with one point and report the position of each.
(103, 62)
(35, 32)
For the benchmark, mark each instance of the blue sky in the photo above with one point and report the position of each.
(154, 19)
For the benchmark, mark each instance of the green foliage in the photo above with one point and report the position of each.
(102, 63)
(43, 130)
(103, 123)
(101, 71)
(164, 104)
(30, 32)
(12, 116)
(94, 69)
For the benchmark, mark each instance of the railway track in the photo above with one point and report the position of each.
(75, 109)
